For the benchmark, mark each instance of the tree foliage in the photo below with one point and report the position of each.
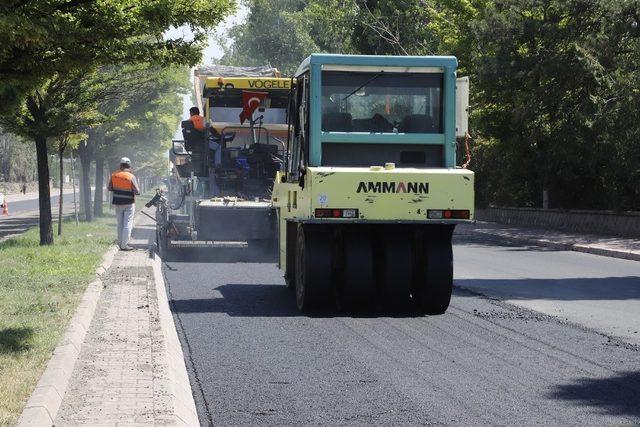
(50, 51)
(17, 163)
(42, 38)
(558, 81)
(554, 82)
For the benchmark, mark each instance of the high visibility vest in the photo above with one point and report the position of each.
(123, 188)
(198, 122)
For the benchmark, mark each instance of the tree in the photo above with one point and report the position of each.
(43, 45)
(42, 38)
(273, 34)
(555, 77)
(17, 163)
(56, 109)
(142, 126)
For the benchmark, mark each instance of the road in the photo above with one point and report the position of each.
(23, 214)
(31, 205)
(253, 359)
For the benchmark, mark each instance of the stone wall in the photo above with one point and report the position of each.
(578, 221)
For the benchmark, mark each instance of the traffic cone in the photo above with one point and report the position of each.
(5, 208)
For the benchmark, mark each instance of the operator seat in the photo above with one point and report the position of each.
(193, 138)
(195, 144)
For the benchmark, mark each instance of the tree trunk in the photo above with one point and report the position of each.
(99, 193)
(85, 183)
(61, 199)
(44, 196)
(73, 183)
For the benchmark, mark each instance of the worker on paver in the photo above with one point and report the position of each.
(198, 122)
(214, 136)
(125, 187)
(196, 119)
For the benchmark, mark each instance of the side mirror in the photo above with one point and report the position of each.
(462, 106)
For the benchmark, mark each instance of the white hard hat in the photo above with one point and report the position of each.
(125, 161)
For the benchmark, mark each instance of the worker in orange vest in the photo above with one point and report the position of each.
(196, 119)
(198, 122)
(125, 187)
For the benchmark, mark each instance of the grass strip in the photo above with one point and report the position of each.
(40, 288)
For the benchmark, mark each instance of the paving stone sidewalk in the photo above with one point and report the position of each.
(122, 376)
(616, 247)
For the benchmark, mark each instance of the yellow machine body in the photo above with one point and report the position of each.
(380, 196)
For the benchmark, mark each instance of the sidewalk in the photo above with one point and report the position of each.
(616, 247)
(130, 368)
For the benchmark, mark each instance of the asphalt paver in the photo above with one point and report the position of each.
(254, 359)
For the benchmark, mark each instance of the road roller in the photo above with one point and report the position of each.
(370, 190)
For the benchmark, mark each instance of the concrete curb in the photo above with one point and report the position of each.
(183, 404)
(576, 247)
(45, 401)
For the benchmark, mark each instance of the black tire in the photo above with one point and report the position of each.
(358, 281)
(434, 293)
(290, 266)
(313, 269)
(397, 270)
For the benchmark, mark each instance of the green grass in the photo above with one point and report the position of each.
(40, 288)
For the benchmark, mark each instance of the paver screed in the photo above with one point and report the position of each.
(121, 373)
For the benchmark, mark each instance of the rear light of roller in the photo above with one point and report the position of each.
(336, 213)
(448, 214)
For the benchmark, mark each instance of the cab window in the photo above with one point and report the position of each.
(383, 102)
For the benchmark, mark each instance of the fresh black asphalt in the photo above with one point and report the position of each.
(253, 359)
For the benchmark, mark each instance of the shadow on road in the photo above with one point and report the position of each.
(616, 395)
(573, 289)
(244, 300)
(17, 225)
(15, 340)
(272, 300)
(220, 255)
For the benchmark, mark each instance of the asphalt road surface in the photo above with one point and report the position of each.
(32, 204)
(253, 359)
(24, 215)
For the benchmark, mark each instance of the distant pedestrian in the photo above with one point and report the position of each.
(125, 187)
(24, 188)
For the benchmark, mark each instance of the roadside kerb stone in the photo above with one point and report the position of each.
(43, 405)
(184, 405)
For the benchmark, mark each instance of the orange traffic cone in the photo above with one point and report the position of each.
(5, 208)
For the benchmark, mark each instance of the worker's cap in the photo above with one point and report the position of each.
(125, 161)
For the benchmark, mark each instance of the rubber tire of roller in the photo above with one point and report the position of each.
(358, 275)
(290, 269)
(435, 293)
(313, 269)
(397, 270)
